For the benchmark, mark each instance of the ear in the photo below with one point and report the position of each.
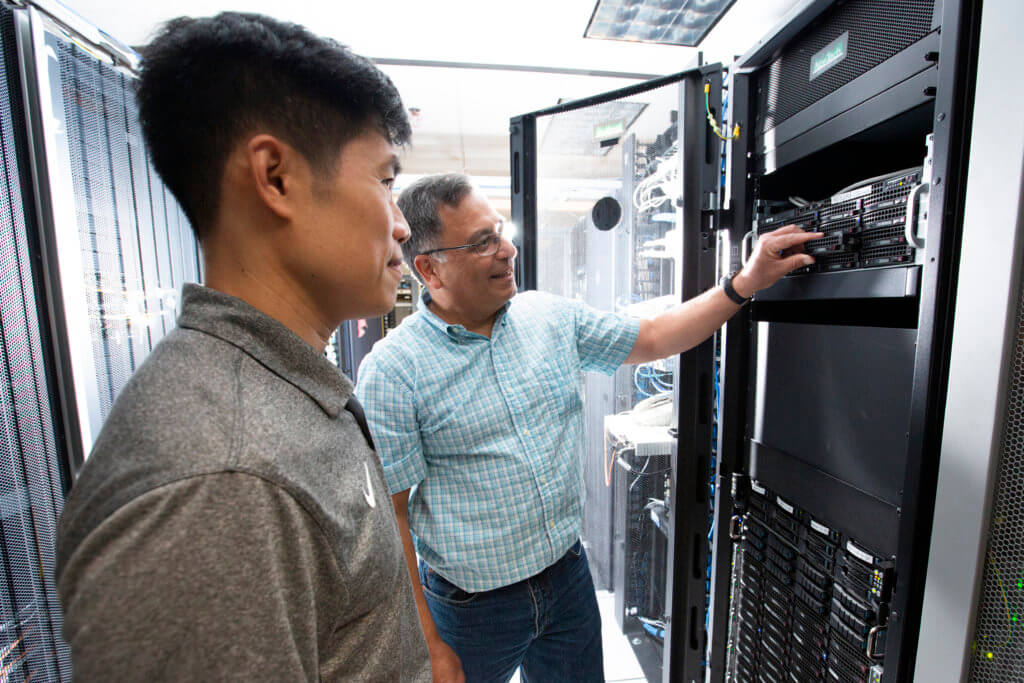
(278, 173)
(427, 268)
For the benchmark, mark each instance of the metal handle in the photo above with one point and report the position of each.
(736, 528)
(748, 239)
(873, 641)
(910, 224)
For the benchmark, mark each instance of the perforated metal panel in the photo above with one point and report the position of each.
(645, 587)
(878, 29)
(997, 653)
(137, 247)
(31, 490)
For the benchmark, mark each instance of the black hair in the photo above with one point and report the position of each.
(205, 82)
(419, 203)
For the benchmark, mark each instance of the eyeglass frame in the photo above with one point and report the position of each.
(495, 238)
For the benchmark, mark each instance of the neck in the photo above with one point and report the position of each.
(266, 288)
(473, 321)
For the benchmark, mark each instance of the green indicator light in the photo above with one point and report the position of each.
(1020, 584)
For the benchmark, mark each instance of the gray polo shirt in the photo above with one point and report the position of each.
(232, 522)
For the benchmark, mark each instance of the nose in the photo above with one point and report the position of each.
(401, 231)
(506, 249)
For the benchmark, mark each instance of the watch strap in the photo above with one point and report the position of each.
(730, 291)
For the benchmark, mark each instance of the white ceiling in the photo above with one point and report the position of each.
(464, 117)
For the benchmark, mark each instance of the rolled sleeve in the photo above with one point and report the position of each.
(388, 400)
(603, 339)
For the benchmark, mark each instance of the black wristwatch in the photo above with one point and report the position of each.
(730, 291)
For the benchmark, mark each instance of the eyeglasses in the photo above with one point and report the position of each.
(488, 246)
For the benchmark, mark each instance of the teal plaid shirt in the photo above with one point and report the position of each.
(485, 431)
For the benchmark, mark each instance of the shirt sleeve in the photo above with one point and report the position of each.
(388, 400)
(214, 577)
(603, 339)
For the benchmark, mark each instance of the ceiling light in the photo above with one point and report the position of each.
(672, 22)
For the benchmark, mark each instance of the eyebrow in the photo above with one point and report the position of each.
(479, 234)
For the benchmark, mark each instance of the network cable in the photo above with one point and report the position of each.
(711, 118)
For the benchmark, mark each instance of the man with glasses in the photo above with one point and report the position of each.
(475, 404)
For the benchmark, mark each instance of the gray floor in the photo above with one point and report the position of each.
(620, 665)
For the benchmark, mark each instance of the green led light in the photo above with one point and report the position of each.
(1020, 584)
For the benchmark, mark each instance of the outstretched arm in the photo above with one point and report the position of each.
(686, 325)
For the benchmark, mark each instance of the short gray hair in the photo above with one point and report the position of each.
(419, 203)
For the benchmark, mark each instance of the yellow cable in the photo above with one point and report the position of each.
(1006, 603)
(711, 119)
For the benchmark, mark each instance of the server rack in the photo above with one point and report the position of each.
(94, 251)
(829, 462)
(33, 475)
(116, 247)
(833, 382)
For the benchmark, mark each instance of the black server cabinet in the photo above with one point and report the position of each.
(823, 435)
(93, 254)
(834, 379)
(662, 167)
(33, 476)
(116, 248)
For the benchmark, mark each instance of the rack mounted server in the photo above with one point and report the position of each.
(870, 225)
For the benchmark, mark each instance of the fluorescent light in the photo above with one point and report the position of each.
(672, 22)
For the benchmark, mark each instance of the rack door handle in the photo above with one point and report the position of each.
(912, 214)
(872, 643)
(746, 245)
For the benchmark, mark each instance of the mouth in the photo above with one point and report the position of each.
(395, 263)
(503, 275)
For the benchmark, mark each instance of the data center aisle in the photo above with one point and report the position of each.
(620, 664)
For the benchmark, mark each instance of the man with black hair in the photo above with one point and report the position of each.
(476, 404)
(231, 521)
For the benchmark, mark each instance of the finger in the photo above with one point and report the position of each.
(785, 229)
(798, 249)
(795, 261)
(781, 242)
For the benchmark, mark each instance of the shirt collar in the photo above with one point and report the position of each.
(268, 342)
(453, 331)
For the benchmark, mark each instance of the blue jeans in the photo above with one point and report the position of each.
(548, 624)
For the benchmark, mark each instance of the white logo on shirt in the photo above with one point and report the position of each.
(368, 493)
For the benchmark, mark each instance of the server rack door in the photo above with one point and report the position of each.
(617, 196)
(832, 454)
(734, 342)
(116, 246)
(33, 478)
